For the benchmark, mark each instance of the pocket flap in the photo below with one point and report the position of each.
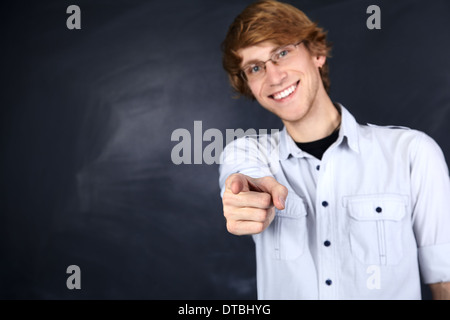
(294, 207)
(376, 207)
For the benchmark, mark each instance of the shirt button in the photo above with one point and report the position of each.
(328, 282)
(378, 209)
(324, 204)
(318, 167)
(327, 243)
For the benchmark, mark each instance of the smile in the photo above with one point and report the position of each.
(285, 93)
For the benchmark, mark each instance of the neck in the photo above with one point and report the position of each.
(321, 120)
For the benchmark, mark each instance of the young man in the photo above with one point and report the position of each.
(341, 210)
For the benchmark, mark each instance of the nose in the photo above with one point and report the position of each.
(274, 74)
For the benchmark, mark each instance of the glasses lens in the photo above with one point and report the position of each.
(254, 71)
(283, 54)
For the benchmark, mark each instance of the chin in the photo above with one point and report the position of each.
(290, 118)
(292, 112)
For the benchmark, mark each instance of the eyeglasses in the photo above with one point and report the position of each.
(256, 71)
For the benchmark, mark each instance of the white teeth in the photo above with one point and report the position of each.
(283, 94)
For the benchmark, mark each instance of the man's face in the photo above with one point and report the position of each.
(288, 90)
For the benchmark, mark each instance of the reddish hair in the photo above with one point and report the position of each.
(273, 21)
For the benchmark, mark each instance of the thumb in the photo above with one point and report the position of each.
(276, 190)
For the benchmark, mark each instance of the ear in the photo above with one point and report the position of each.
(319, 61)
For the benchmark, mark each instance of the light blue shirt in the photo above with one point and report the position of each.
(359, 223)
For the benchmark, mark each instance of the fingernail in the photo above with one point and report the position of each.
(282, 201)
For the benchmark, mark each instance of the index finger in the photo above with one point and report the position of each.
(236, 183)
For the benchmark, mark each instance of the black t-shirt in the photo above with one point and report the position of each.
(318, 148)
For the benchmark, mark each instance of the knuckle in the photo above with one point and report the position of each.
(261, 215)
(259, 227)
(283, 189)
(226, 212)
(229, 214)
(265, 200)
(226, 198)
(231, 227)
(267, 179)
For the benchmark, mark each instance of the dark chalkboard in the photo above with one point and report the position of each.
(87, 116)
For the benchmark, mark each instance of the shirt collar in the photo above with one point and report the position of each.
(347, 132)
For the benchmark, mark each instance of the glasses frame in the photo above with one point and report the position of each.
(274, 61)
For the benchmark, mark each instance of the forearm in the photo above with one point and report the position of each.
(440, 291)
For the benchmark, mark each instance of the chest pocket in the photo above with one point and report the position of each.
(290, 232)
(376, 227)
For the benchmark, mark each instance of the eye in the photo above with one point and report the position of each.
(283, 53)
(253, 69)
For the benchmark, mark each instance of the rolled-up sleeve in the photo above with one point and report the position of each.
(430, 185)
(435, 263)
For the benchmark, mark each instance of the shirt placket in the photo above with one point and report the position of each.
(325, 208)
